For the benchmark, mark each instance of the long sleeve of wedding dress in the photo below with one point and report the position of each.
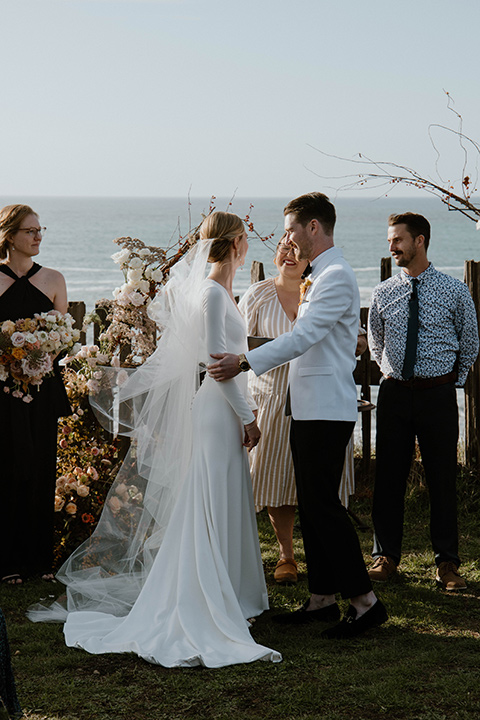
(216, 306)
(207, 576)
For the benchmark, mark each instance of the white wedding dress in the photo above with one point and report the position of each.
(207, 577)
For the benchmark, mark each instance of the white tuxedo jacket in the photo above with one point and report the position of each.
(321, 346)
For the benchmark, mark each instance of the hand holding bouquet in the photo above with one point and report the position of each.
(28, 347)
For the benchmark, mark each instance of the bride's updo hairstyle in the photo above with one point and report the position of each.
(222, 228)
(11, 217)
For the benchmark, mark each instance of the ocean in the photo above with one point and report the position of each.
(80, 234)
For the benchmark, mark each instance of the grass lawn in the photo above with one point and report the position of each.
(424, 664)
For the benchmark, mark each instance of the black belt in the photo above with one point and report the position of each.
(425, 383)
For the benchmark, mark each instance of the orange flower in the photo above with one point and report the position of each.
(18, 353)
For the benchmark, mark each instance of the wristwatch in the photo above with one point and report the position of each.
(243, 363)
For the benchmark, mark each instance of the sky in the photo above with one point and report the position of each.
(171, 97)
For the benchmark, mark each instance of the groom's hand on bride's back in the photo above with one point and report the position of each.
(225, 368)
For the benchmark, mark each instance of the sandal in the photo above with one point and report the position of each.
(48, 577)
(286, 572)
(14, 579)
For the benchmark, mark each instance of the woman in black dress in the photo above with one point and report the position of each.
(28, 431)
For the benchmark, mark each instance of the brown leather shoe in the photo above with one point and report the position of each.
(286, 571)
(382, 568)
(448, 577)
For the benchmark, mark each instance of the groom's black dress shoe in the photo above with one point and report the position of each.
(349, 627)
(302, 616)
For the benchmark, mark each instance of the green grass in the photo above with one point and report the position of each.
(424, 664)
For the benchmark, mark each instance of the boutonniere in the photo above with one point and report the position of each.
(303, 289)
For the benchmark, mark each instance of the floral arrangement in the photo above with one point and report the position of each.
(88, 461)
(28, 347)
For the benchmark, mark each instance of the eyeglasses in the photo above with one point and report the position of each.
(34, 231)
(284, 248)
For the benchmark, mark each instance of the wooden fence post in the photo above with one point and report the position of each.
(77, 311)
(385, 268)
(257, 272)
(472, 385)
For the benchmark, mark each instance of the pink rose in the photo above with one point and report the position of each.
(95, 451)
(71, 508)
(83, 490)
(92, 472)
(63, 443)
(18, 339)
(59, 503)
(114, 504)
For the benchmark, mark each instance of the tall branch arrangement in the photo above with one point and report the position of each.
(457, 194)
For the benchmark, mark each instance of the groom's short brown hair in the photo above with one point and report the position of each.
(313, 206)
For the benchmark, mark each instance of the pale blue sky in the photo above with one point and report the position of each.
(150, 97)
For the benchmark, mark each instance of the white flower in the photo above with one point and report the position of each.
(135, 263)
(157, 275)
(144, 252)
(134, 276)
(148, 273)
(121, 256)
(3, 373)
(144, 286)
(93, 386)
(30, 338)
(478, 225)
(136, 299)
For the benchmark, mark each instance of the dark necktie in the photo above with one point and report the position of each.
(412, 333)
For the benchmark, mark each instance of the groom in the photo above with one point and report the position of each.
(321, 351)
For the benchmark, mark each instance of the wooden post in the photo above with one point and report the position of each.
(472, 385)
(257, 272)
(385, 268)
(77, 311)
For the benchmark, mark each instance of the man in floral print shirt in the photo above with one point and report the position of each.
(422, 405)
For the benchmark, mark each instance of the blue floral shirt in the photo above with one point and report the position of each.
(447, 325)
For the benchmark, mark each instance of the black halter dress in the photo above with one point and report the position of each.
(28, 449)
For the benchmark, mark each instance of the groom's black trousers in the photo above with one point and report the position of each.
(332, 551)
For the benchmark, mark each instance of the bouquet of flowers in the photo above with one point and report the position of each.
(28, 347)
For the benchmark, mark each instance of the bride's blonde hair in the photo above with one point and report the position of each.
(222, 228)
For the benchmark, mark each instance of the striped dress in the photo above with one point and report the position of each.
(271, 463)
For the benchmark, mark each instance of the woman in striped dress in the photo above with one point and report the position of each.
(270, 309)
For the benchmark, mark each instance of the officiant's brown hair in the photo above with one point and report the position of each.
(313, 206)
(222, 228)
(11, 217)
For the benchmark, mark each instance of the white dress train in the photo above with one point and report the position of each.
(207, 578)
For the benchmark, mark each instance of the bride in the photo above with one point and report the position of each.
(173, 570)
